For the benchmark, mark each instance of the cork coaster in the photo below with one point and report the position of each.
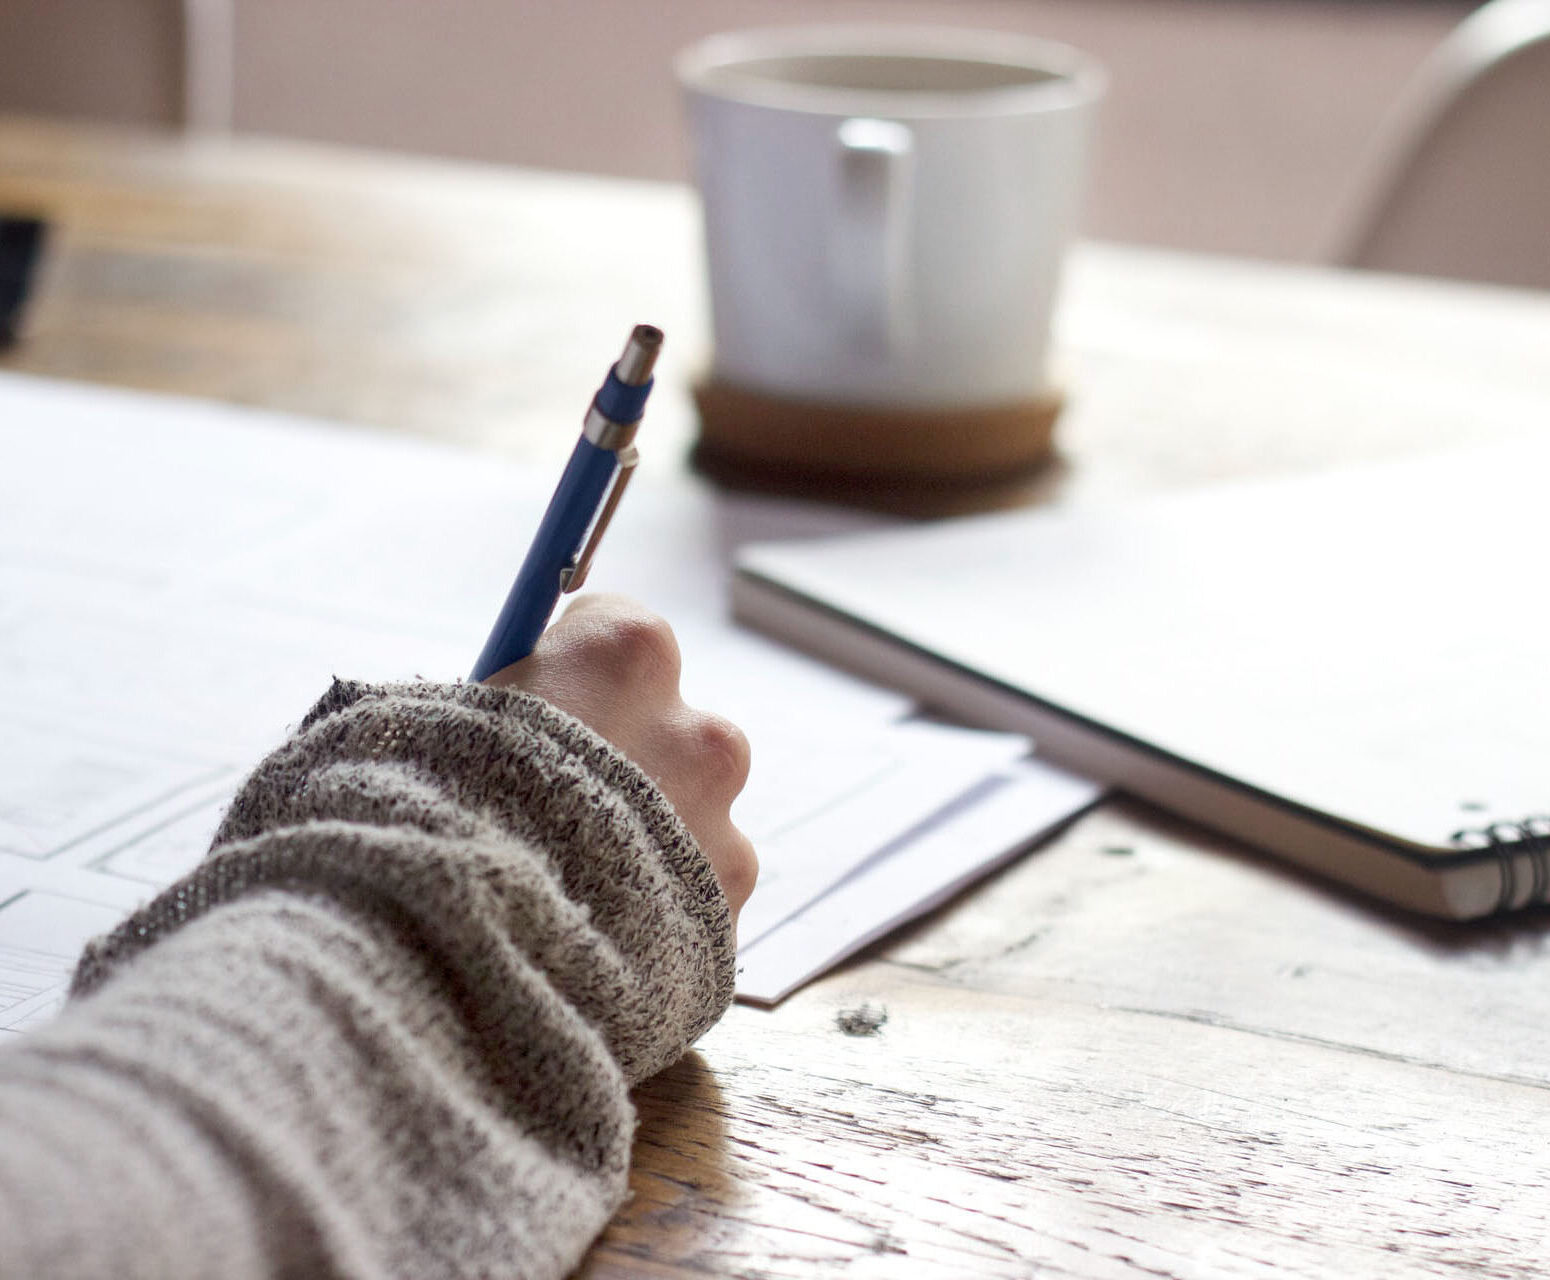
(912, 461)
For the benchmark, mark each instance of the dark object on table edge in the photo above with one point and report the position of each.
(21, 248)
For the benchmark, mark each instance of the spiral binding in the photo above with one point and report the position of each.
(1512, 842)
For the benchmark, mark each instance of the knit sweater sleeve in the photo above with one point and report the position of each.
(388, 1026)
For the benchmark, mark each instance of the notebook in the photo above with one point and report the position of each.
(1349, 669)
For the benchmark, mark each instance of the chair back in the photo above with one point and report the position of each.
(1460, 182)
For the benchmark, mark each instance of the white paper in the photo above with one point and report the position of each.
(179, 581)
(860, 794)
(967, 840)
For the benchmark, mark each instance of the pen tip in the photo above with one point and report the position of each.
(640, 355)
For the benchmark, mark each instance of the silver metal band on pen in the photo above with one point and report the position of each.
(633, 369)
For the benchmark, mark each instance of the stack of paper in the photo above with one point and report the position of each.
(179, 581)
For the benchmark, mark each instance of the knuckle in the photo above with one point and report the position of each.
(740, 872)
(724, 749)
(641, 646)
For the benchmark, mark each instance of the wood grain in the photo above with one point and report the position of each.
(1174, 1060)
(1141, 1051)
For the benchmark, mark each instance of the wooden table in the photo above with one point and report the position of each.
(1142, 1051)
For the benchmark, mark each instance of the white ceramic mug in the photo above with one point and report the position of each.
(887, 208)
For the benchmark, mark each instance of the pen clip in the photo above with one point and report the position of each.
(574, 574)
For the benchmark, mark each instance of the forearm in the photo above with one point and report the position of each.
(275, 1090)
(387, 1028)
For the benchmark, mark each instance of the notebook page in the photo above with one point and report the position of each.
(1368, 643)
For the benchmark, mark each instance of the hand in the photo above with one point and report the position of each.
(614, 666)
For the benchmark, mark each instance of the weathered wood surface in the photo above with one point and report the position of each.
(1140, 1051)
(1170, 1062)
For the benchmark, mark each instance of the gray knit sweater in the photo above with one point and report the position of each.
(388, 1027)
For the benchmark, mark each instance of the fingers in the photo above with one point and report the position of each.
(701, 762)
(615, 666)
(716, 754)
(735, 863)
(608, 661)
(624, 636)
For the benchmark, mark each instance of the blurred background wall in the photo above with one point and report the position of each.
(1233, 126)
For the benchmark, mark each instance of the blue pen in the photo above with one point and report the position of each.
(588, 492)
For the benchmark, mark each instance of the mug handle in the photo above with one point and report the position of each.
(870, 250)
